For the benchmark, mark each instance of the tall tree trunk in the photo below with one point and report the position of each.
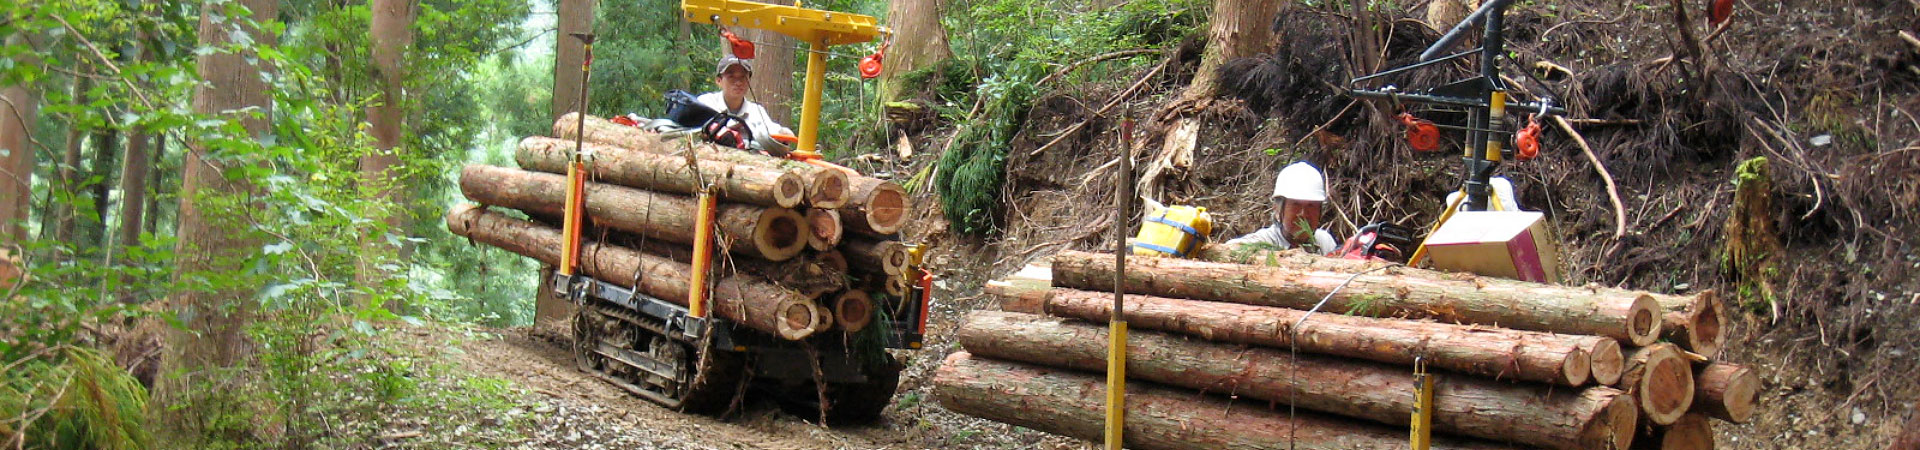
(576, 16)
(18, 113)
(773, 70)
(99, 183)
(133, 182)
(918, 40)
(157, 184)
(199, 355)
(391, 23)
(66, 181)
(1237, 29)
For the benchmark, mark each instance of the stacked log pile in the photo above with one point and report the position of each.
(800, 248)
(1516, 363)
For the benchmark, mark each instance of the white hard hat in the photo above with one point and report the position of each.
(1301, 181)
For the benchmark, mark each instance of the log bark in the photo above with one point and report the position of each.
(752, 303)
(1071, 403)
(1526, 414)
(663, 173)
(876, 207)
(853, 310)
(825, 187)
(1694, 322)
(824, 229)
(807, 274)
(1662, 379)
(1492, 352)
(1633, 318)
(1691, 432)
(867, 254)
(773, 234)
(1726, 392)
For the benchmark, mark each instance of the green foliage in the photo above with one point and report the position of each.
(71, 397)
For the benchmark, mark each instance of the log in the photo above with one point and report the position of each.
(754, 304)
(1024, 291)
(774, 234)
(1726, 391)
(896, 287)
(825, 188)
(832, 259)
(1492, 352)
(853, 310)
(1694, 322)
(807, 275)
(869, 254)
(876, 207)
(1691, 432)
(824, 229)
(1662, 379)
(734, 183)
(1519, 305)
(1609, 361)
(1526, 414)
(1072, 404)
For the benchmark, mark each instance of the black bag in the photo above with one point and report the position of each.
(684, 110)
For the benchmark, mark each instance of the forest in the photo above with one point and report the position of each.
(225, 223)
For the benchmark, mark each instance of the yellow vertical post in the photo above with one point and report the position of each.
(1422, 430)
(810, 99)
(1496, 113)
(702, 255)
(570, 224)
(1117, 323)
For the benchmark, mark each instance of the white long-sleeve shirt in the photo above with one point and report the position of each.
(1273, 235)
(761, 124)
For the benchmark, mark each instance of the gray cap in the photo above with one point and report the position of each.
(730, 61)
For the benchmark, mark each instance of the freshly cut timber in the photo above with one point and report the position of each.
(1694, 323)
(1660, 376)
(1691, 432)
(655, 172)
(1072, 403)
(1726, 391)
(752, 303)
(774, 234)
(1505, 303)
(875, 206)
(824, 229)
(853, 309)
(826, 188)
(1527, 414)
(1493, 352)
(867, 253)
(806, 274)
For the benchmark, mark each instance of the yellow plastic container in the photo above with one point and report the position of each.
(1172, 231)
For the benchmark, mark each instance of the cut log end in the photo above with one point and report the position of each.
(895, 260)
(789, 190)
(828, 189)
(1662, 378)
(853, 310)
(1616, 430)
(1643, 326)
(1607, 360)
(780, 234)
(1728, 392)
(1706, 332)
(1691, 432)
(824, 229)
(897, 287)
(832, 260)
(886, 209)
(799, 319)
(1577, 368)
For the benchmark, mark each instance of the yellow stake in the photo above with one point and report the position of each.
(1496, 112)
(702, 255)
(1116, 382)
(1422, 429)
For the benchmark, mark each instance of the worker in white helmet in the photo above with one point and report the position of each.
(1298, 194)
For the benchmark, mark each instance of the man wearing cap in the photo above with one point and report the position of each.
(1298, 194)
(733, 75)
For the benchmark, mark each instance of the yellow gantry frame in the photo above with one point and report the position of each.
(818, 28)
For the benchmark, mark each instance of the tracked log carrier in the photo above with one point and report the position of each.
(698, 276)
